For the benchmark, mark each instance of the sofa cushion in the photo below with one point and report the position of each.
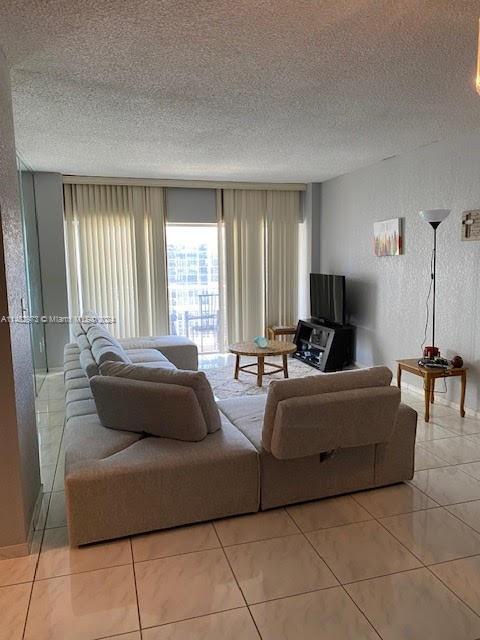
(77, 383)
(86, 438)
(74, 395)
(104, 351)
(157, 364)
(88, 363)
(166, 410)
(75, 373)
(246, 413)
(196, 380)
(140, 356)
(71, 364)
(88, 319)
(80, 408)
(182, 352)
(99, 332)
(77, 329)
(153, 483)
(83, 342)
(313, 385)
(71, 357)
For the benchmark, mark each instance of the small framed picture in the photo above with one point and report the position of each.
(471, 225)
(387, 236)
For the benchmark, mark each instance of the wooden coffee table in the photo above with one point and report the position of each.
(429, 376)
(273, 348)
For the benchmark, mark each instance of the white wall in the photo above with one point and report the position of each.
(49, 205)
(19, 463)
(386, 296)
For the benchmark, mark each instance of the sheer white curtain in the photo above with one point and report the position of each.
(116, 255)
(261, 260)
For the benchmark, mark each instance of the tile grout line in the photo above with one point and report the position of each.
(425, 566)
(42, 535)
(236, 580)
(136, 587)
(336, 578)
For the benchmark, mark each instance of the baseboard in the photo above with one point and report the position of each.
(420, 393)
(23, 549)
(439, 400)
(55, 369)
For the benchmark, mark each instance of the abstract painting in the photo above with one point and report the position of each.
(388, 237)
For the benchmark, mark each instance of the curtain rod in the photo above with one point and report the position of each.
(188, 184)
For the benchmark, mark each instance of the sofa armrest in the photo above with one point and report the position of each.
(395, 459)
(315, 424)
(181, 352)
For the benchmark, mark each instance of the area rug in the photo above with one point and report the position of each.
(224, 385)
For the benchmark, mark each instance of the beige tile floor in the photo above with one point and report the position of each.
(393, 563)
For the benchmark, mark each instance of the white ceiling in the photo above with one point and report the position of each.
(278, 90)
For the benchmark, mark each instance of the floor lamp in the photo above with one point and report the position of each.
(434, 217)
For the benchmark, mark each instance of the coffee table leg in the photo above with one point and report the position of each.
(462, 397)
(427, 398)
(237, 367)
(399, 376)
(260, 370)
(432, 390)
(285, 366)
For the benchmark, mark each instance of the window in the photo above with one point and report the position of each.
(193, 286)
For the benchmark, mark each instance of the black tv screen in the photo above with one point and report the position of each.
(327, 298)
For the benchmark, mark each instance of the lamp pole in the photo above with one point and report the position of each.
(434, 275)
(434, 225)
(434, 217)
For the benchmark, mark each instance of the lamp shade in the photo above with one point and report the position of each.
(434, 216)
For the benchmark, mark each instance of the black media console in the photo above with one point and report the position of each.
(324, 346)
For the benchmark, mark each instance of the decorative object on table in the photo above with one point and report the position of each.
(275, 331)
(429, 376)
(471, 225)
(457, 362)
(388, 237)
(434, 217)
(261, 342)
(273, 348)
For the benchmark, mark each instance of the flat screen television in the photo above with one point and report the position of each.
(327, 298)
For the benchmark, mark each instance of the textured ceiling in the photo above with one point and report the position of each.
(297, 90)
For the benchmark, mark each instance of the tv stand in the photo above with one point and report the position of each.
(325, 346)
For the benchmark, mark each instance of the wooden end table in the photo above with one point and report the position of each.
(273, 348)
(275, 331)
(429, 376)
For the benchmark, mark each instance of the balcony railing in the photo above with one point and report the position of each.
(201, 324)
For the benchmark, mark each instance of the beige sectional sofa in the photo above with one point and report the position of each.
(306, 439)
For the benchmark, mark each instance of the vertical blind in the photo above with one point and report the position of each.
(116, 255)
(261, 260)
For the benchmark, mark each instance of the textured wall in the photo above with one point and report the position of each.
(49, 203)
(19, 467)
(386, 296)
